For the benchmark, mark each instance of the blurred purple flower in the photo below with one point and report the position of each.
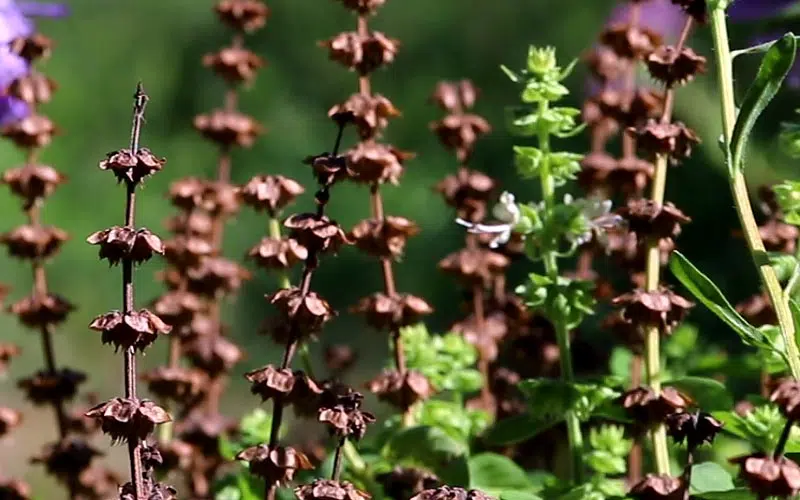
(743, 10)
(661, 16)
(15, 22)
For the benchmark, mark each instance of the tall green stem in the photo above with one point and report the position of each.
(283, 282)
(741, 196)
(562, 331)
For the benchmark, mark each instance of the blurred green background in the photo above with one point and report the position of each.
(106, 46)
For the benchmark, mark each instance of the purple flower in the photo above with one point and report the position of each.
(750, 10)
(660, 16)
(15, 22)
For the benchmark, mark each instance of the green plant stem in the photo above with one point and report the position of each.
(574, 435)
(744, 209)
(283, 282)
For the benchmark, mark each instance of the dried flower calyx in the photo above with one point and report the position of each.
(392, 311)
(475, 265)
(468, 191)
(662, 308)
(33, 131)
(272, 253)
(451, 493)
(326, 489)
(34, 241)
(401, 389)
(328, 168)
(136, 329)
(37, 310)
(649, 219)
(184, 385)
(276, 464)
(769, 477)
(234, 64)
(694, 428)
(9, 418)
(658, 487)
(459, 131)
(213, 353)
(124, 418)
(673, 139)
(363, 6)
(342, 412)
(305, 312)
(369, 113)
(316, 232)
(32, 181)
(122, 242)
(46, 387)
(650, 408)
(66, 459)
(132, 167)
(669, 66)
(243, 15)
(384, 238)
(630, 42)
(787, 397)
(270, 192)
(33, 88)
(363, 53)
(370, 162)
(270, 382)
(228, 128)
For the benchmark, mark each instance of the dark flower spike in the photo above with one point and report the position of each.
(34, 241)
(694, 428)
(33, 131)
(32, 182)
(401, 389)
(125, 419)
(38, 311)
(276, 464)
(326, 489)
(362, 53)
(385, 312)
(670, 67)
(243, 15)
(118, 243)
(369, 113)
(658, 487)
(344, 416)
(451, 493)
(767, 476)
(133, 167)
(45, 387)
(273, 253)
(270, 192)
(228, 128)
(154, 491)
(66, 459)
(234, 64)
(137, 329)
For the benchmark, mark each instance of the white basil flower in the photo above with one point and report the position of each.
(508, 215)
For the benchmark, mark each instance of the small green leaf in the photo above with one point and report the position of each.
(431, 448)
(710, 394)
(517, 428)
(495, 473)
(707, 292)
(518, 495)
(774, 67)
(710, 476)
(735, 494)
